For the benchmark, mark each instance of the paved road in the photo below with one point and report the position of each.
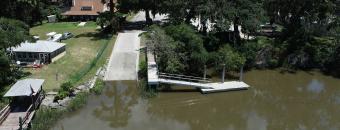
(140, 16)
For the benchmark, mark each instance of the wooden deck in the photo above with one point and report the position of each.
(11, 120)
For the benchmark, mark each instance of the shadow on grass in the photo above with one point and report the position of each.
(95, 36)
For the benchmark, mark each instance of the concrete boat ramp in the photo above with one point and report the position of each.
(155, 78)
(123, 63)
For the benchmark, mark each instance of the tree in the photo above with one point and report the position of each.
(148, 6)
(164, 47)
(12, 33)
(230, 58)
(297, 15)
(179, 49)
(190, 44)
(29, 11)
(111, 21)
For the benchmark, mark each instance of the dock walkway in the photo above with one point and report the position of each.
(154, 79)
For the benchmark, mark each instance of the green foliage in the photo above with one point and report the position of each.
(45, 118)
(261, 52)
(179, 49)
(52, 10)
(64, 91)
(321, 51)
(78, 102)
(110, 20)
(232, 59)
(28, 11)
(164, 47)
(12, 33)
(98, 87)
(143, 69)
(145, 90)
(67, 87)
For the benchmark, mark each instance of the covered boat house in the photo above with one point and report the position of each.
(37, 53)
(26, 96)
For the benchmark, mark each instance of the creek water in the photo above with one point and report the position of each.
(276, 100)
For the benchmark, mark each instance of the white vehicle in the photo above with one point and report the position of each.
(53, 36)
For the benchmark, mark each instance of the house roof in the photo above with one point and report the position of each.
(39, 46)
(97, 6)
(26, 87)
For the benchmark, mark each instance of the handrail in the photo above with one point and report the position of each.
(28, 112)
(180, 78)
(2, 110)
(193, 77)
(4, 113)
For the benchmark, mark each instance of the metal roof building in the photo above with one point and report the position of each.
(42, 51)
(39, 46)
(26, 87)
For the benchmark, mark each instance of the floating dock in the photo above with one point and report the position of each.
(154, 79)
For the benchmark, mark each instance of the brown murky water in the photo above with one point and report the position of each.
(275, 101)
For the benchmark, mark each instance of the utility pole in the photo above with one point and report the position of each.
(223, 73)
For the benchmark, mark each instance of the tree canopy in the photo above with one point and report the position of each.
(12, 33)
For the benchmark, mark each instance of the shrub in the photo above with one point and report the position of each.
(98, 87)
(45, 118)
(143, 69)
(64, 91)
(78, 102)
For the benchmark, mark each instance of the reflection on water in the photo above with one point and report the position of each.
(300, 101)
(256, 122)
(315, 86)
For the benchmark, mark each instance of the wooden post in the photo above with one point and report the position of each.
(21, 123)
(223, 73)
(205, 72)
(241, 74)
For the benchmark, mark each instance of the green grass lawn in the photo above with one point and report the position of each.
(80, 51)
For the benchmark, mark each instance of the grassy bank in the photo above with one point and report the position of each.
(46, 117)
(80, 52)
(144, 90)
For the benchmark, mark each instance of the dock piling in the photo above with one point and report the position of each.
(223, 73)
(205, 72)
(241, 74)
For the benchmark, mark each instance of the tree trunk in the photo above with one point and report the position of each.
(189, 16)
(112, 6)
(237, 38)
(147, 17)
(204, 26)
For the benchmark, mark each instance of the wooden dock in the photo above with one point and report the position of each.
(10, 118)
(155, 78)
(26, 96)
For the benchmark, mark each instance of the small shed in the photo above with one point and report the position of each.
(41, 51)
(52, 18)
